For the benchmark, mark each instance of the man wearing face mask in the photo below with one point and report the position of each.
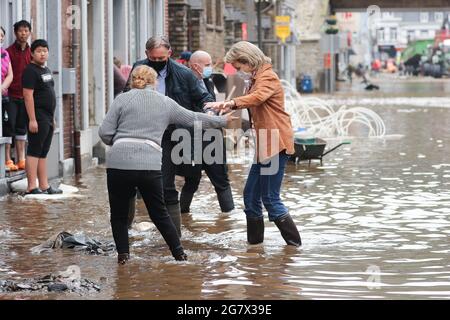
(201, 65)
(179, 83)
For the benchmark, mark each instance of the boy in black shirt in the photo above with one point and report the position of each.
(40, 101)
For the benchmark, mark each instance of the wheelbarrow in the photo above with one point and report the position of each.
(312, 149)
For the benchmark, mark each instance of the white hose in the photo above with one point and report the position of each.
(322, 121)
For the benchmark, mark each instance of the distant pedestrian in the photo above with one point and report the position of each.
(40, 101)
(185, 57)
(125, 69)
(119, 81)
(20, 55)
(5, 81)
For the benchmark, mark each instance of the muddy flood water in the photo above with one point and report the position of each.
(374, 220)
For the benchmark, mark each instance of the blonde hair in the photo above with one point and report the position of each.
(247, 53)
(143, 76)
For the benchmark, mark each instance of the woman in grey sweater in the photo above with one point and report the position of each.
(134, 127)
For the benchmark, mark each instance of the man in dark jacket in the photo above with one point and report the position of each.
(201, 65)
(179, 83)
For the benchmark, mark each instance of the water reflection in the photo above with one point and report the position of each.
(378, 204)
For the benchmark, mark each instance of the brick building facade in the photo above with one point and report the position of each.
(197, 25)
(83, 36)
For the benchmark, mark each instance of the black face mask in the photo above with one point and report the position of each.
(157, 65)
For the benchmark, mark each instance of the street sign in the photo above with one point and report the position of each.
(330, 43)
(327, 61)
(283, 27)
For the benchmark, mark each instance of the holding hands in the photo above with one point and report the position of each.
(221, 107)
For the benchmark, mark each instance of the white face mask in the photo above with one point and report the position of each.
(244, 75)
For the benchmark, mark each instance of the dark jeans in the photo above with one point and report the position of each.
(264, 189)
(122, 186)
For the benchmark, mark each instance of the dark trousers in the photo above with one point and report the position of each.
(169, 170)
(218, 175)
(18, 117)
(262, 188)
(122, 185)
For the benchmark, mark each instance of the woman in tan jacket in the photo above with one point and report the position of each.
(274, 141)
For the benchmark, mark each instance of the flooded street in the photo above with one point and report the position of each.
(374, 220)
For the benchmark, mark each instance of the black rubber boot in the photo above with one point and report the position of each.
(131, 212)
(289, 230)
(255, 230)
(185, 202)
(122, 258)
(175, 215)
(181, 257)
(226, 200)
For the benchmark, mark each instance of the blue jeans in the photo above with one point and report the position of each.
(263, 187)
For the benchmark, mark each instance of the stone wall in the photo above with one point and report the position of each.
(178, 26)
(214, 43)
(311, 15)
(188, 29)
(310, 61)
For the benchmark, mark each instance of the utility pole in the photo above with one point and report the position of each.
(251, 21)
(258, 15)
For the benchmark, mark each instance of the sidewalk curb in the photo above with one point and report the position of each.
(4, 187)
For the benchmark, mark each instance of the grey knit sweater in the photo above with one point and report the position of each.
(144, 114)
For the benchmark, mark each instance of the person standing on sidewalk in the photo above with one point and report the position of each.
(274, 141)
(40, 101)
(20, 55)
(201, 65)
(179, 83)
(134, 126)
(5, 81)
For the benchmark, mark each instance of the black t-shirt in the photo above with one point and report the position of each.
(40, 80)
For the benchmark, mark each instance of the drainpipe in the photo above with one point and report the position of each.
(76, 115)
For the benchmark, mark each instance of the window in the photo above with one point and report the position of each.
(424, 33)
(411, 35)
(41, 19)
(209, 12)
(219, 16)
(424, 17)
(381, 34)
(394, 34)
(388, 15)
(439, 17)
